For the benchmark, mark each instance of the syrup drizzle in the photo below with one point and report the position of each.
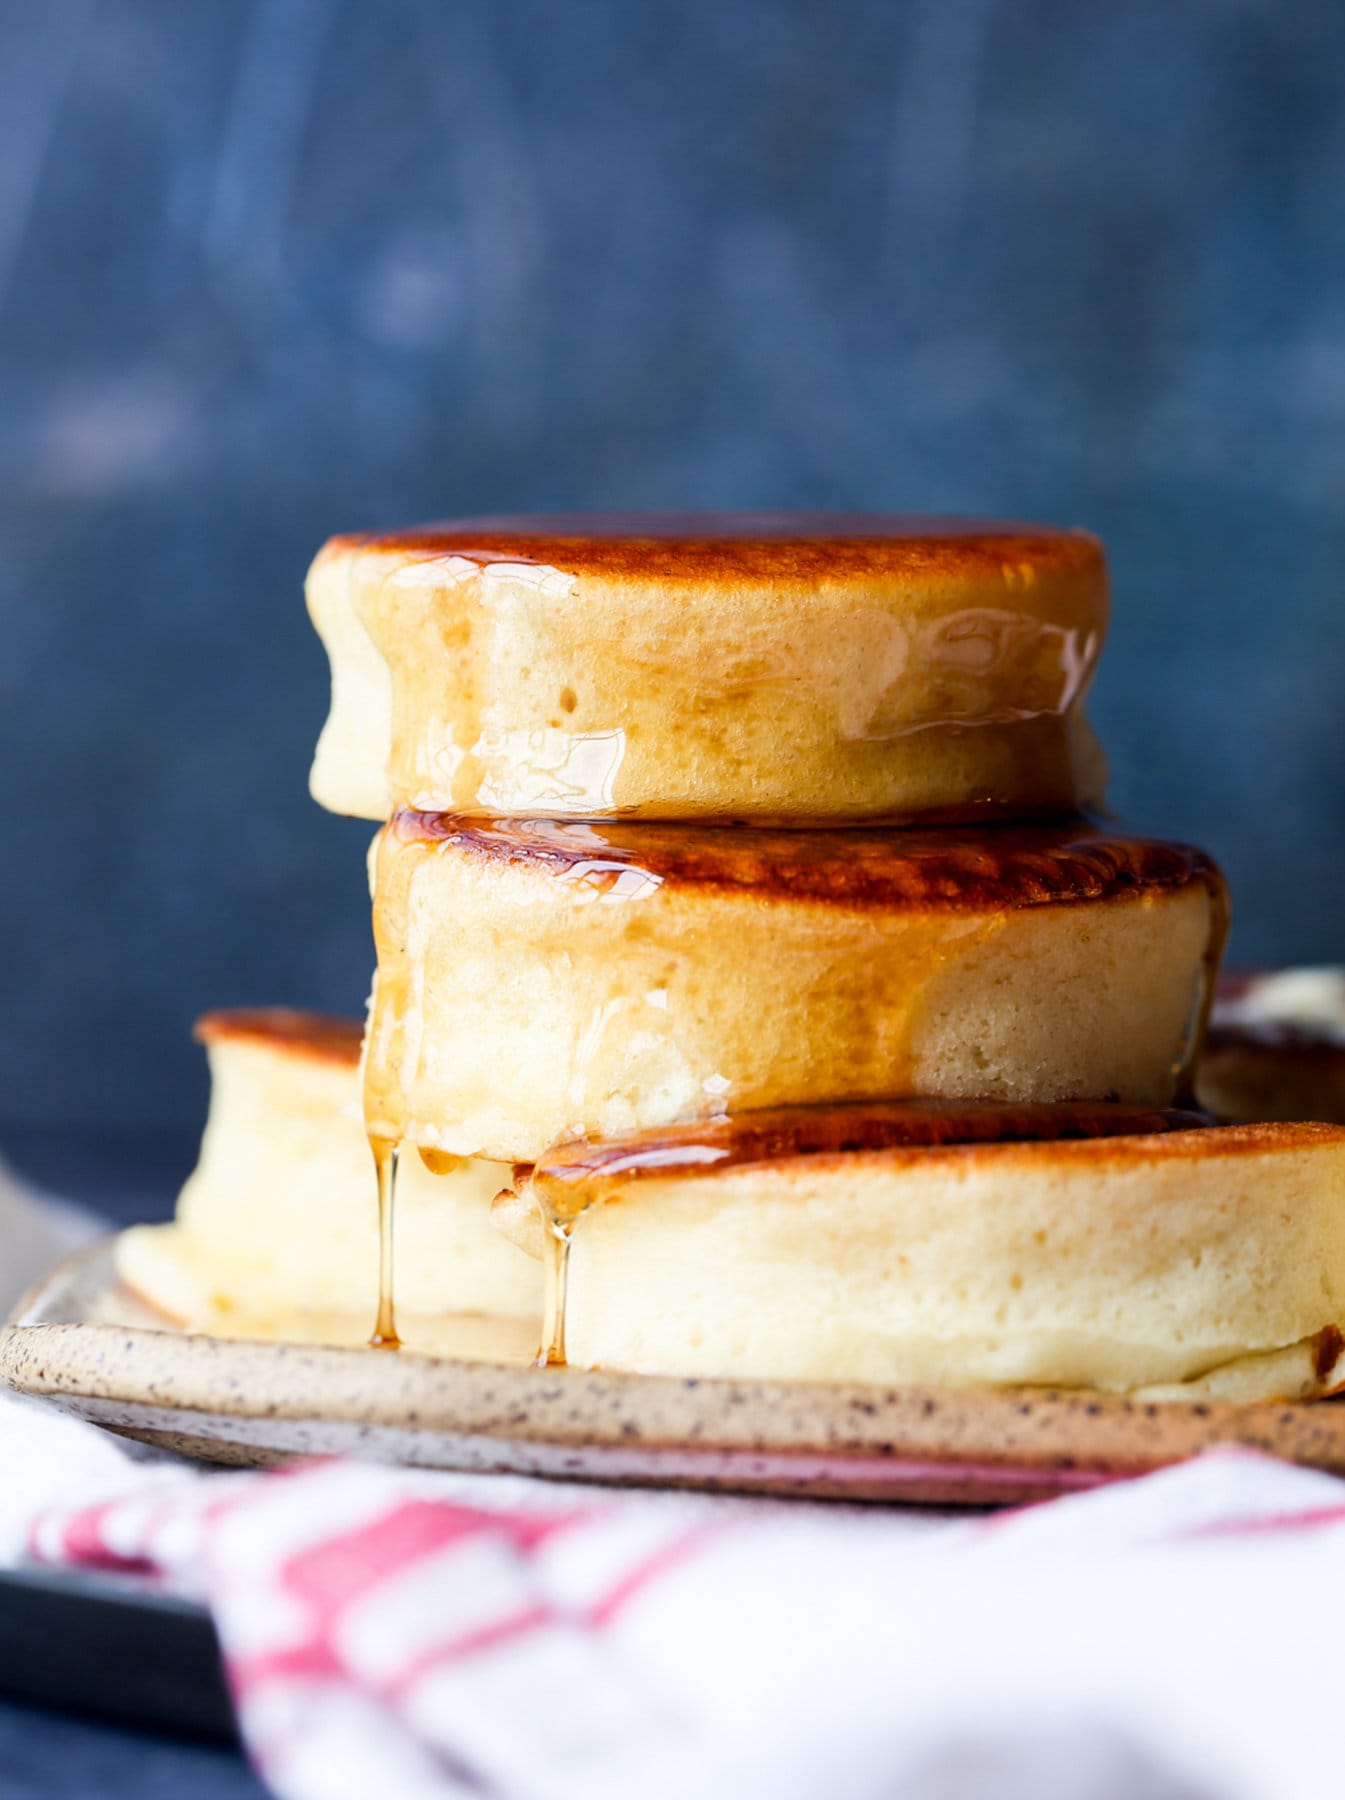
(945, 892)
(386, 1155)
(1012, 866)
(556, 1262)
(438, 1162)
(844, 685)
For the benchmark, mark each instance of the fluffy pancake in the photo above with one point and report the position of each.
(1104, 1247)
(660, 667)
(539, 981)
(278, 1223)
(1275, 1048)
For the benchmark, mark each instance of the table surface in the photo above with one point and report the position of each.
(56, 1756)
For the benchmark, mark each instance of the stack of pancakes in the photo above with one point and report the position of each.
(740, 923)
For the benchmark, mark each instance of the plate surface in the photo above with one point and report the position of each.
(82, 1343)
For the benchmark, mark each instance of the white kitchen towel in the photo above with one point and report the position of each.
(425, 1635)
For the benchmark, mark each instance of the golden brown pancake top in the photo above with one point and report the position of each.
(874, 1129)
(780, 1133)
(988, 868)
(757, 547)
(286, 1029)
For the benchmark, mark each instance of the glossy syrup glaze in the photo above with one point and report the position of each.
(997, 867)
(779, 1133)
(639, 974)
(735, 546)
(626, 667)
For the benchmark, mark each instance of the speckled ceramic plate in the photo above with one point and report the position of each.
(80, 1342)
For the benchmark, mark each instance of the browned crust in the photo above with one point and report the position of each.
(784, 1133)
(987, 869)
(287, 1030)
(794, 548)
(1202, 1144)
(1168, 1136)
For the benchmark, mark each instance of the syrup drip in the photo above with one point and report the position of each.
(861, 872)
(386, 1154)
(943, 893)
(556, 1261)
(438, 1162)
(561, 1200)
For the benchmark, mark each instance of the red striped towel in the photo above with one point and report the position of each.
(418, 1636)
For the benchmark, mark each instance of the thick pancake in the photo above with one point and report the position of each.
(279, 1220)
(539, 981)
(1099, 1247)
(775, 666)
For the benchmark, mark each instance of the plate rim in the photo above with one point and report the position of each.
(1027, 1439)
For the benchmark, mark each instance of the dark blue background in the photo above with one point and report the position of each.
(280, 267)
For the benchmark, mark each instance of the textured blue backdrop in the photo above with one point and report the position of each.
(281, 267)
